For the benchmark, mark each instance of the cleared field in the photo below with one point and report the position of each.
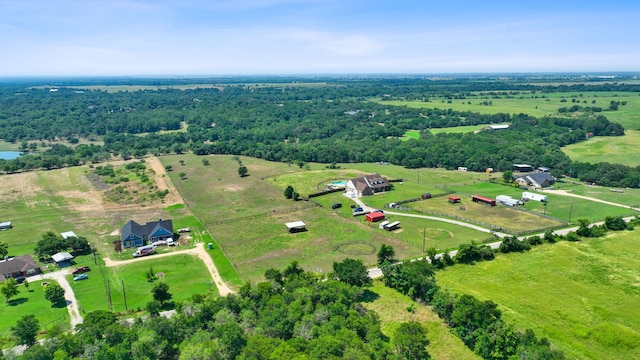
(538, 104)
(569, 209)
(411, 134)
(581, 296)
(186, 275)
(630, 197)
(30, 301)
(458, 129)
(619, 150)
(392, 308)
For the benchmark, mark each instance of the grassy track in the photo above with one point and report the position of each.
(581, 296)
(30, 302)
(392, 308)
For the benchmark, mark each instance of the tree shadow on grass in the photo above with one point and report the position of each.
(61, 304)
(17, 301)
(369, 296)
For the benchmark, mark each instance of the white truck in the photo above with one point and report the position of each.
(144, 251)
(533, 196)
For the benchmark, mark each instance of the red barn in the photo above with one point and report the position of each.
(454, 199)
(375, 216)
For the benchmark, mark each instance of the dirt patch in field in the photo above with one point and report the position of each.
(15, 185)
(233, 187)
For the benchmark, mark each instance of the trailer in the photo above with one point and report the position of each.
(144, 251)
(383, 224)
(392, 226)
(507, 200)
(533, 196)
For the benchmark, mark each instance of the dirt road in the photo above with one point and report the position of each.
(199, 251)
(69, 295)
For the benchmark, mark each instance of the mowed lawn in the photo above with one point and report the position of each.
(582, 296)
(186, 275)
(27, 302)
(392, 308)
(619, 149)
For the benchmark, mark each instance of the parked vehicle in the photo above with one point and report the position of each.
(144, 251)
(170, 242)
(80, 277)
(80, 270)
(336, 206)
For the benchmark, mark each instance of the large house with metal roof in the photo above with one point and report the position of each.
(134, 234)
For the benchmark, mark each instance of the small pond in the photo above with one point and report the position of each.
(9, 155)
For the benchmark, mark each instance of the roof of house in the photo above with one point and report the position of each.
(61, 256)
(374, 181)
(17, 264)
(133, 227)
(538, 178)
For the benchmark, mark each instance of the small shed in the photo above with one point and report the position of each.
(68, 234)
(62, 259)
(426, 196)
(375, 216)
(5, 225)
(296, 226)
(454, 199)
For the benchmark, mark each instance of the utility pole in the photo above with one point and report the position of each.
(125, 297)
(570, 211)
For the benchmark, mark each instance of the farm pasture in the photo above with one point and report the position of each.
(581, 296)
(623, 150)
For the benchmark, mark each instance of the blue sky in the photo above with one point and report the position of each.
(227, 37)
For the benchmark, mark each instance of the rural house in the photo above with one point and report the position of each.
(367, 185)
(537, 180)
(134, 234)
(18, 267)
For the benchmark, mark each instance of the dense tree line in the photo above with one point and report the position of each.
(329, 123)
(293, 315)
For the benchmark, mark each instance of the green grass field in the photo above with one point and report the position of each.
(581, 296)
(538, 104)
(392, 308)
(30, 301)
(458, 129)
(560, 207)
(629, 197)
(619, 150)
(186, 275)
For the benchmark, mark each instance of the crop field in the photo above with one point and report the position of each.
(619, 150)
(569, 209)
(31, 301)
(186, 275)
(392, 308)
(581, 296)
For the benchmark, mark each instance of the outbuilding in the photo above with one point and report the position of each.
(375, 216)
(454, 199)
(68, 234)
(296, 226)
(62, 259)
(5, 225)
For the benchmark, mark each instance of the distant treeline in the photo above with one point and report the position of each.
(327, 123)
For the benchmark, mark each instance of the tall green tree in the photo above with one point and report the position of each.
(26, 330)
(242, 171)
(161, 293)
(9, 288)
(507, 176)
(288, 192)
(386, 254)
(352, 271)
(54, 293)
(410, 341)
(4, 249)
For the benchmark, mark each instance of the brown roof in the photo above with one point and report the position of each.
(21, 264)
(374, 181)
